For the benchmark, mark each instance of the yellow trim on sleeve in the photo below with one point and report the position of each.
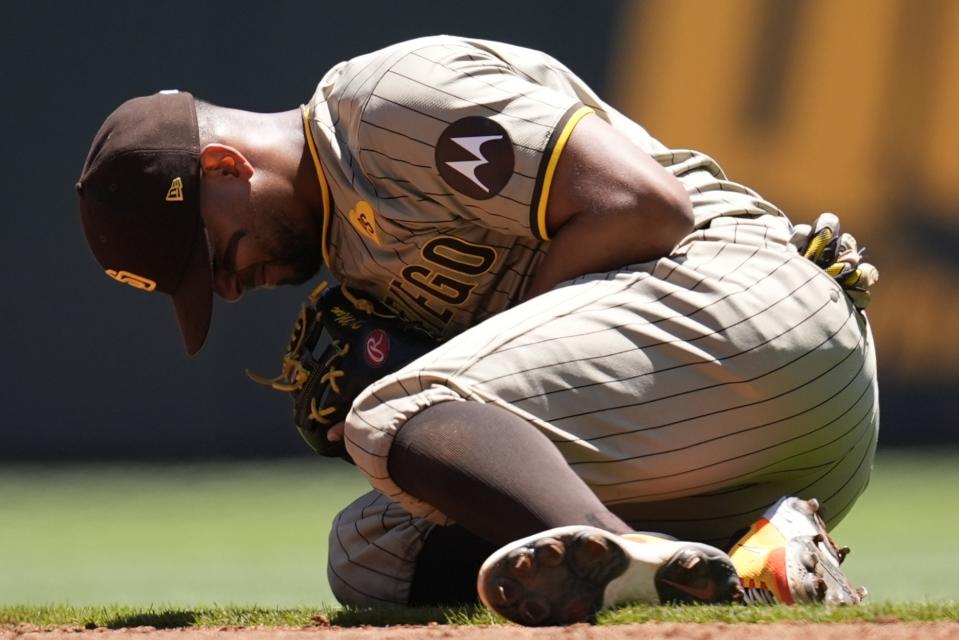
(551, 167)
(324, 187)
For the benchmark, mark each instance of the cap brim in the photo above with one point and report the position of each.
(194, 297)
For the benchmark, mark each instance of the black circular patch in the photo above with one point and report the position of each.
(475, 156)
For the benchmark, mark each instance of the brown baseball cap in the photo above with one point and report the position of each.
(140, 204)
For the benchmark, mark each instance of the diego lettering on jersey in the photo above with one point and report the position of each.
(474, 156)
(445, 279)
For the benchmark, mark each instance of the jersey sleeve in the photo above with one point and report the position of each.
(453, 123)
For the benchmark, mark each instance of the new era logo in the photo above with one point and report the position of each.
(175, 192)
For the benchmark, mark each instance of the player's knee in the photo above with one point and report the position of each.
(348, 595)
(342, 591)
(353, 583)
(373, 546)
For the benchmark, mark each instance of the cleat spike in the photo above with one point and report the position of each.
(738, 594)
(550, 552)
(809, 585)
(821, 590)
(594, 545)
(809, 560)
(522, 562)
(506, 592)
(535, 610)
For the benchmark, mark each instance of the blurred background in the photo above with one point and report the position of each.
(130, 472)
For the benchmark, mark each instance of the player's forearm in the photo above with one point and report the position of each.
(597, 242)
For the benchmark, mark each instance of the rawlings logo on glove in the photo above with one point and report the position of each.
(366, 342)
(377, 348)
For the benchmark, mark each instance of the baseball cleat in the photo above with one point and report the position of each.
(788, 557)
(567, 575)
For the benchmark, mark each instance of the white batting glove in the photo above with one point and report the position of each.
(838, 255)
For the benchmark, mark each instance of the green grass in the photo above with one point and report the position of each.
(171, 617)
(116, 617)
(904, 530)
(248, 534)
(870, 612)
(180, 540)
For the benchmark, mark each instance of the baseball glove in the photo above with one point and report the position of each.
(366, 342)
(838, 255)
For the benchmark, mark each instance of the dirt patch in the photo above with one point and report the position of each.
(890, 630)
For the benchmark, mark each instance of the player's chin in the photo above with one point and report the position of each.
(279, 274)
(299, 268)
(295, 279)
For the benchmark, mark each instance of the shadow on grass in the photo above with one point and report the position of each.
(159, 620)
(469, 614)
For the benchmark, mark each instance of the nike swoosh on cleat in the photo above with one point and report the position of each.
(756, 550)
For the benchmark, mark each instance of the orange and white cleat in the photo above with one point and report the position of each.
(568, 574)
(788, 557)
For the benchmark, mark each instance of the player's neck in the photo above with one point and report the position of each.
(276, 146)
(306, 182)
(281, 140)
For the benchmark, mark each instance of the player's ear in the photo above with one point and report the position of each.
(220, 160)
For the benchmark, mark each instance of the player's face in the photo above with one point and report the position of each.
(257, 239)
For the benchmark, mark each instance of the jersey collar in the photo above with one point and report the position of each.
(321, 177)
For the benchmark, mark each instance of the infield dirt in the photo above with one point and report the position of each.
(890, 630)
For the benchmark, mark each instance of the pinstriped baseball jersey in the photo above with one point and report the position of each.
(436, 157)
(689, 392)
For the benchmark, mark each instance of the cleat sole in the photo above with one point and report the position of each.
(563, 576)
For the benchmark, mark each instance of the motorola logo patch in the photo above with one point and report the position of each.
(475, 156)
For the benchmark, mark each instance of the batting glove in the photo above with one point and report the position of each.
(838, 254)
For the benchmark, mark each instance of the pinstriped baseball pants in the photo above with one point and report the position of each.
(689, 393)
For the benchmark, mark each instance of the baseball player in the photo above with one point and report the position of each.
(631, 342)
